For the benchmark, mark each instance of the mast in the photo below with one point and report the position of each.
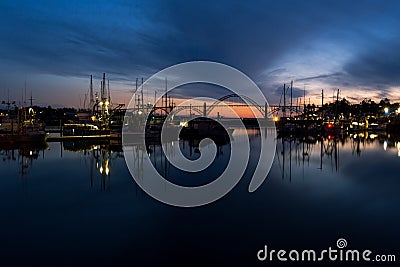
(284, 100)
(337, 104)
(31, 99)
(142, 97)
(103, 89)
(322, 105)
(25, 95)
(291, 97)
(166, 96)
(91, 100)
(304, 99)
(136, 96)
(109, 95)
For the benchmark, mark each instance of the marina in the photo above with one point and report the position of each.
(103, 119)
(199, 133)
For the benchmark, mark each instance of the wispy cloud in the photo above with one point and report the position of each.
(327, 44)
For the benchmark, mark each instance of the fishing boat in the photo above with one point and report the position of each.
(22, 127)
(83, 129)
(204, 127)
(22, 131)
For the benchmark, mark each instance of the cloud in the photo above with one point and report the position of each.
(378, 67)
(128, 39)
(322, 76)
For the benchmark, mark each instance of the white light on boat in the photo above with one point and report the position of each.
(386, 111)
(385, 145)
(398, 149)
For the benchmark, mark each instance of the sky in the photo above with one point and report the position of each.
(54, 46)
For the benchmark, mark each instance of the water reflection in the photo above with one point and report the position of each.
(77, 197)
(292, 152)
(100, 155)
(189, 148)
(23, 155)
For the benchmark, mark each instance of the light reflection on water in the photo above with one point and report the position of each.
(78, 199)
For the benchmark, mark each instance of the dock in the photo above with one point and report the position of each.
(77, 137)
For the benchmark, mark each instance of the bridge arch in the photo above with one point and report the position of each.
(178, 109)
(248, 99)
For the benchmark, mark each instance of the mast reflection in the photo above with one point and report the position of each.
(298, 150)
(24, 154)
(101, 156)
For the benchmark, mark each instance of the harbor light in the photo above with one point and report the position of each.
(398, 111)
(276, 118)
(398, 149)
(385, 144)
(373, 136)
(386, 110)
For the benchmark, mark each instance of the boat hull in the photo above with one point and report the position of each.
(23, 138)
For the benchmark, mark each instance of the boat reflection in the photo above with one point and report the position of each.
(299, 149)
(101, 156)
(23, 154)
(293, 151)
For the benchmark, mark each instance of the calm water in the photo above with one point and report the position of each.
(76, 204)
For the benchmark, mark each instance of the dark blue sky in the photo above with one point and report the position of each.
(56, 45)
